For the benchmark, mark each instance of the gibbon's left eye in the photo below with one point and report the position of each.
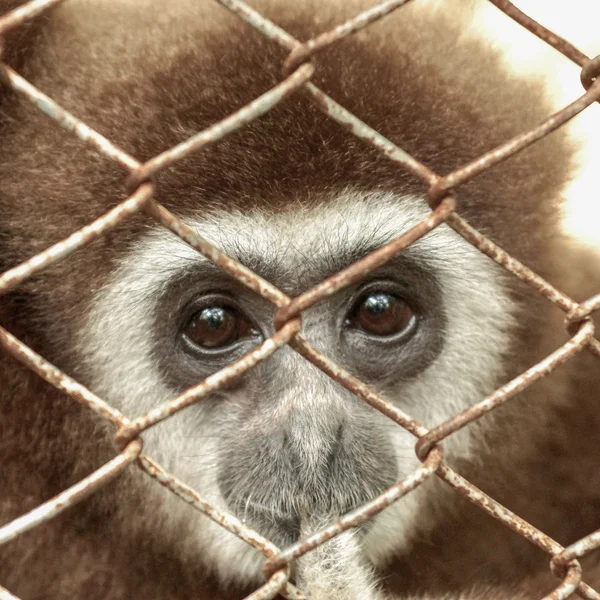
(381, 314)
(218, 326)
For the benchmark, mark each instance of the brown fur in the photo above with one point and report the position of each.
(147, 85)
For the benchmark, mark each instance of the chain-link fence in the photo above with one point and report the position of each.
(296, 78)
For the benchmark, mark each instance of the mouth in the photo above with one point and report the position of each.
(280, 528)
(285, 529)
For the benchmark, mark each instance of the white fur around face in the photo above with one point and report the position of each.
(118, 345)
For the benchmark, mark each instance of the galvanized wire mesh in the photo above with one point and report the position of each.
(297, 73)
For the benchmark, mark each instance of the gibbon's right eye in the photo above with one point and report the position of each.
(381, 314)
(218, 326)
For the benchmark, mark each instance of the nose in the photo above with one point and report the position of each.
(312, 441)
(315, 465)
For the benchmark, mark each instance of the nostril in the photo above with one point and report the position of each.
(336, 445)
(337, 437)
(287, 443)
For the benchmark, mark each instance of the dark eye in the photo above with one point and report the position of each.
(381, 314)
(217, 326)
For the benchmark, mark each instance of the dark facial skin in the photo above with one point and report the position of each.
(294, 442)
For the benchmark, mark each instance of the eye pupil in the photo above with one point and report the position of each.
(381, 314)
(216, 326)
(214, 318)
(378, 304)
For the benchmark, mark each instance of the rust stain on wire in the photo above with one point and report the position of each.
(78, 239)
(225, 520)
(73, 495)
(210, 384)
(272, 588)
(518, 269)
(356, 386)
(543, 368)
(369, 263)
(58, 379)
(561, 561)
(304, 51)
(231, 266)
(369, 135)
(360, 515)
(511, 264)
(65, 119)
(260, 23)
(219, 130)
(568, 587)
(497, 511)
(590, 72)
(565, 48)
(585, 309)
(327, 104)
(519, 142)
(191, 497)
(508, 518)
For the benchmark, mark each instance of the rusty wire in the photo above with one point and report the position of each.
(297, 72)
